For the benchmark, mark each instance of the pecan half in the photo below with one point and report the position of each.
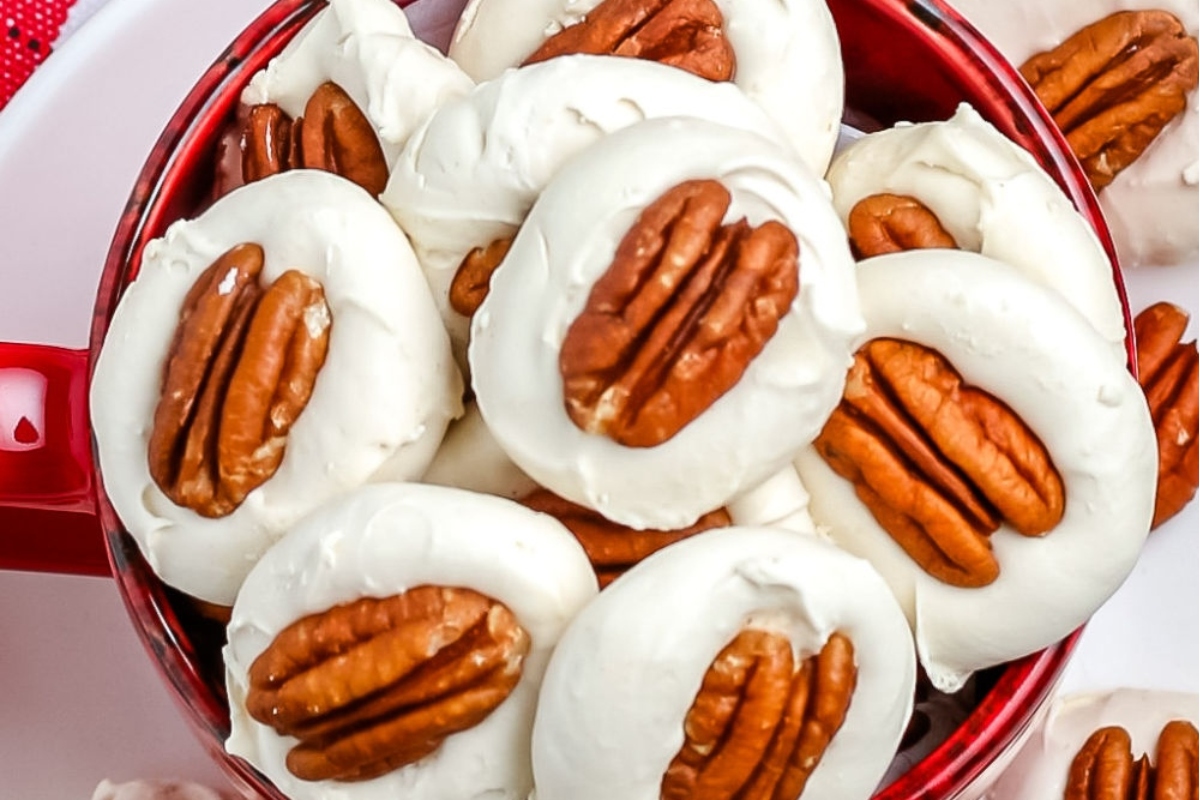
(610, 546)
(682, 33)
(333, 135)
(370, 686)
(1167, 372)
(240, 370)
(760, 724)
(1114, 85)
(1105, 769)
(676, 320)
(471, 282)
(938, 463)
(270, 143)
(890, 223)
(1176, 774)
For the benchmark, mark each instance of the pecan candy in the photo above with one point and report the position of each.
(240, 370)
(760, 723)
(611, 547)
(686, 305)
(1104, 768)
(333, 135)
(742, 656)
(373, 685)
(997, 201)
(890, 223)
(682, 33)
(939, 463)
(1114, 85)
(1167, 371)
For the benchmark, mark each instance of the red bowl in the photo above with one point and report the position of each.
(904, 59)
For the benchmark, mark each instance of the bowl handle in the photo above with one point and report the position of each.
(48, 516)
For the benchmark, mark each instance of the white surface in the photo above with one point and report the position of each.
(1148, 634)
(80, 700)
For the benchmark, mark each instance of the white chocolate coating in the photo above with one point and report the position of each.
(367, 48)
(1021, 343)
(379, 406)
(1153, 206)
(1040, 770)
(610, 716)
(993, 198)
(383, 540)
(472, 172)
(787, 52)
(568, 242)
(469, 458)
(779, 501)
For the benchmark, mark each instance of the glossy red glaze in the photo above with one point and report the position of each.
(905, 59)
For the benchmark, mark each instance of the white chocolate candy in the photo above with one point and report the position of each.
(993, 198)
(787, 54)
(610, 715)
(1153, 205)
(384, 540)
(568, 242)
(779, 501)
(367, 48)
(469, 458)
(1021, 343)
(1040, 770)
(471, 173)
(378, 409)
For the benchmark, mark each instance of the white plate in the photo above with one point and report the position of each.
(80, 699)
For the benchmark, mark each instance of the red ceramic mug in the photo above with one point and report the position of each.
(904, 60)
